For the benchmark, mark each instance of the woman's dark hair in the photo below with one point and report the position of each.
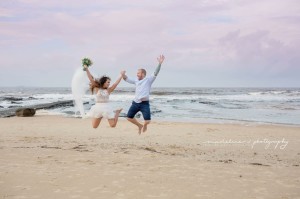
(102, 80)
(100, 83)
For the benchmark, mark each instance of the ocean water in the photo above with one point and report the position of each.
(259, 105)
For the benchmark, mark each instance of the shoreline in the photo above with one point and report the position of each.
(190, 120)
(45, 109)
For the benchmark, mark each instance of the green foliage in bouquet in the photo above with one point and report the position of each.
(87, 62)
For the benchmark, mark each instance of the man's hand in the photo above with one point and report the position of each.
(123, 73)
(161, 59)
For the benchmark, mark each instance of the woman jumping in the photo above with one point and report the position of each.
(102, 108)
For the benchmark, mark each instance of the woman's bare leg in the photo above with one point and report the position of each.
(96, 122)
(113, 122)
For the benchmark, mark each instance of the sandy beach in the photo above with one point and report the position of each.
(59, 157)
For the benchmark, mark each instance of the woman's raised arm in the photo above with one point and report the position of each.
(114, 86)
(91, 78)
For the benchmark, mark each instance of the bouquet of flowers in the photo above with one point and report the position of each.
(86, 61)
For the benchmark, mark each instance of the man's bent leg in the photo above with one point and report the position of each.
(134, 121)
(145, 109)
(145, 125)
(131, 113)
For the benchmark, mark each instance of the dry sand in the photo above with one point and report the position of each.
(58, 157)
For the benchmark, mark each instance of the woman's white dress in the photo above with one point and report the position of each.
(102, 107)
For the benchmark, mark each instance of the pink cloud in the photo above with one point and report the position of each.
(259, 51)
(259, 35)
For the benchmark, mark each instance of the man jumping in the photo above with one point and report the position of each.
(142, 91)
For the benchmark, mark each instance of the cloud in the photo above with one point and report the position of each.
(259, 51)
(198, 36)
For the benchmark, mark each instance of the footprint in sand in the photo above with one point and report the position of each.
(211, 130)
(96, 189)
(90, 162)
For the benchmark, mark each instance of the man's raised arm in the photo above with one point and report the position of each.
(160, 60)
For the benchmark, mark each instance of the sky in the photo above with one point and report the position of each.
(207, 43)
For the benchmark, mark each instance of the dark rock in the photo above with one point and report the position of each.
(208, 103)
(156, 111)
(13, 102)
(14, 106)
(25, 112)
(12, 98)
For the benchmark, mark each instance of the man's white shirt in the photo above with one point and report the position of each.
(142, 89)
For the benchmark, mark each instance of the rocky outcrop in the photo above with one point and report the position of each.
(9, 112)
(25, 112)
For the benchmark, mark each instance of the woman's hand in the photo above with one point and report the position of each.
(85, 67)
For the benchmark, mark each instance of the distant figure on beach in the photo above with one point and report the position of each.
(102, 108)
(142, 91)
